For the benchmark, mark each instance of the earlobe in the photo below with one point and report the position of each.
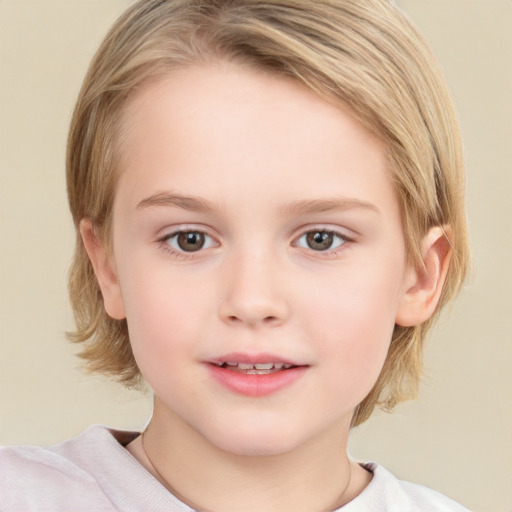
(105, 273)
(422, 286)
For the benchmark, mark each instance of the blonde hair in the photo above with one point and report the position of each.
(363, 54)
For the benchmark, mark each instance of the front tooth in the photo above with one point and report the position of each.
(243, 366)
(264, 366)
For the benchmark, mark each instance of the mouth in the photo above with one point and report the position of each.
(256, 375)
(254, 369)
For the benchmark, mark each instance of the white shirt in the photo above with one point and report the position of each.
(93, 472)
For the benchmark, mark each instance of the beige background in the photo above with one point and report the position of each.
(457, 438)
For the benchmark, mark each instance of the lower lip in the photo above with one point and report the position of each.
(256, 385)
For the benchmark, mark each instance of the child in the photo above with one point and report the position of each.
(268, 198)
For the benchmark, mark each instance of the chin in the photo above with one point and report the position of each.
(256, 448)
(254, 441)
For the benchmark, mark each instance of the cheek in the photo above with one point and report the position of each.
(353, 327)
(166, 316)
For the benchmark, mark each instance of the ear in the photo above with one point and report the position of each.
(422, 286)
(104, 270)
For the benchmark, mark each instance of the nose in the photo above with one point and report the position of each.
(253, 293)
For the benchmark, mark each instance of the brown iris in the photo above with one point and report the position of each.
(319, 240)
(190, 241)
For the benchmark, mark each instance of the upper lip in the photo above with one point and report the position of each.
(259, 358)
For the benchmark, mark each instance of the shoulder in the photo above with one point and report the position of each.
(386, 493)
(91, 472)
(37, 478)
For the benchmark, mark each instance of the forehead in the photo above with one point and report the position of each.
(241, 126)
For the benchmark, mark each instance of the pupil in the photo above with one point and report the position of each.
(190, 242)
(319, 241)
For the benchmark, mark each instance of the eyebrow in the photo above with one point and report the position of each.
(328, 205)
(169, 199)
(303, 207)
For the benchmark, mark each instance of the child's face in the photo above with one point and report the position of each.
(294, 254)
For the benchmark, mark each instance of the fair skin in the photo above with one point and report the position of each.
(294, 255)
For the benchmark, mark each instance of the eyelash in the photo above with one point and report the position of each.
(164, 243)
(343, 240)
(182, 254)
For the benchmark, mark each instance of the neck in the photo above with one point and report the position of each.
(315, 476)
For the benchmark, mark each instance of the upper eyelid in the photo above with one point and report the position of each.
(169, 232)
(348, 240)
(335, 233)
(165, 244)
(176, 233)
(345, 233)
(185, 228)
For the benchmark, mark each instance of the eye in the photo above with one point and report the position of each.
(319, 240)
(189, 241)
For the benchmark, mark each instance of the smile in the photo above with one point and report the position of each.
(258, 377)
(254, 369)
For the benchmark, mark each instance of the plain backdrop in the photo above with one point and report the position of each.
(457, 438)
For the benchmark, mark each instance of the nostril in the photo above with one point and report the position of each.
(266, 320)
